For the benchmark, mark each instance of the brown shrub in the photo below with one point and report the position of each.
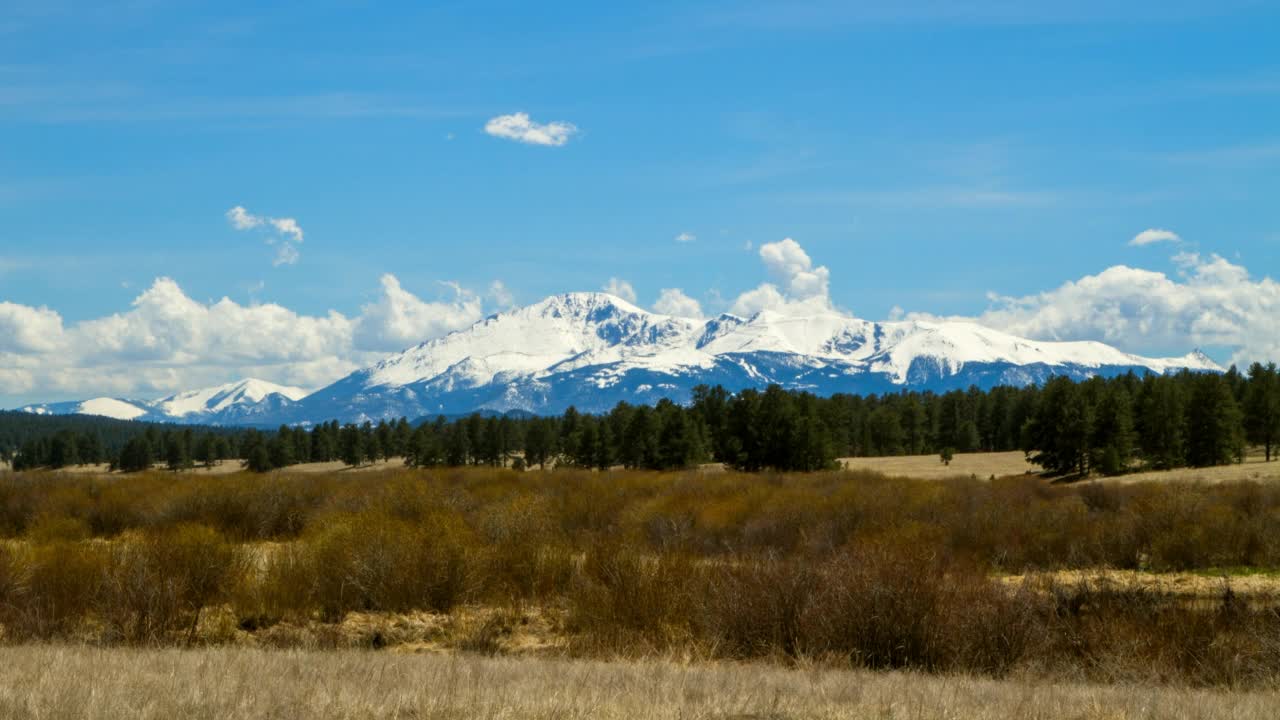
(53, 589)
(157, 584)
(626, 601)
(370, 561)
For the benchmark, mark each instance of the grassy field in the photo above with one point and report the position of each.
(1001, 464)
(983, 465)
(55, 682)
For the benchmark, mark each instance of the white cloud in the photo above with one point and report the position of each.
(790, 265)
(799, 285)
(621, 288)
(168, 341)
(400, 319)
(765, 297)
(686, 237)
(1154, 235)
(501, 295)
(519, 127)
(242, 219)
(1211, 302)
(286, 254)
(287, 226)
(673, 301)
(27, 329)
(287, 233)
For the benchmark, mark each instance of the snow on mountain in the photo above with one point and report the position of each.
(593, 350)
(104, 406)
(217, 399)
(233, 403)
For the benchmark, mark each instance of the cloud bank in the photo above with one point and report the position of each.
(167, 341)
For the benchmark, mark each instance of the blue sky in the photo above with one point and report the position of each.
(930, 155)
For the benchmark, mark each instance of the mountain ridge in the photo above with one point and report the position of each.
(593, 350)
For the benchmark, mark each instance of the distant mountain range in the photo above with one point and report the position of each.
(593, 350)
(247, 402)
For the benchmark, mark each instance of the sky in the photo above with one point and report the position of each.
(192, 192)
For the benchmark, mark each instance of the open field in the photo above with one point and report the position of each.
(1001, 464)
(57, 682)
(983, 465)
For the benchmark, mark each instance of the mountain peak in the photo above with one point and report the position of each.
(583, 303)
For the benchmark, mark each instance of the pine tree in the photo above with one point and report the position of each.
(351, 446)
(1161, 426)
(136, 455)
(259, 458)
(1058, 437)
(1112, 444)
(1262, 407)
(1214, 423)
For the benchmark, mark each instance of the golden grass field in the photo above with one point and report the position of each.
(60, 681)
(1000, 464)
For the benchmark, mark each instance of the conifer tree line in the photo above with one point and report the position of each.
(1099, 425)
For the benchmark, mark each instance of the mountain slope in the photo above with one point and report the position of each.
(593, 350)
(241, 402)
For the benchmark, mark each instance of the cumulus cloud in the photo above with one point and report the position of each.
(1210, 301)
(791, 266)
(168, 341)
(399, 319)
(686, 237)
(1154, 235)
(521, 128)
(621, 288)
(673, 301)
(799, 284)
(286, 234)
(28, 329)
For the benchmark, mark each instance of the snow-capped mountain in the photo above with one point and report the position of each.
(592, 350)
(243, 402)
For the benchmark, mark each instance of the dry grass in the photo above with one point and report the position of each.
(1201, 586)
(1001, 464)
(56, 682)
(1253, 468)
(930, 467)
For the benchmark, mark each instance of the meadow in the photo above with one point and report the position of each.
(95, 683)
(1150, 583)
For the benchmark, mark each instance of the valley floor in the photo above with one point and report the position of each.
(59, 681)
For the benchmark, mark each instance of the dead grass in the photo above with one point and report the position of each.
(1253, 468)
(930, 467)
(1002, 464)
(56, 682)
(1198, 585)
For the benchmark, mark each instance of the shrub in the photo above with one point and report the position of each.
(159, 583)
(370, 561)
